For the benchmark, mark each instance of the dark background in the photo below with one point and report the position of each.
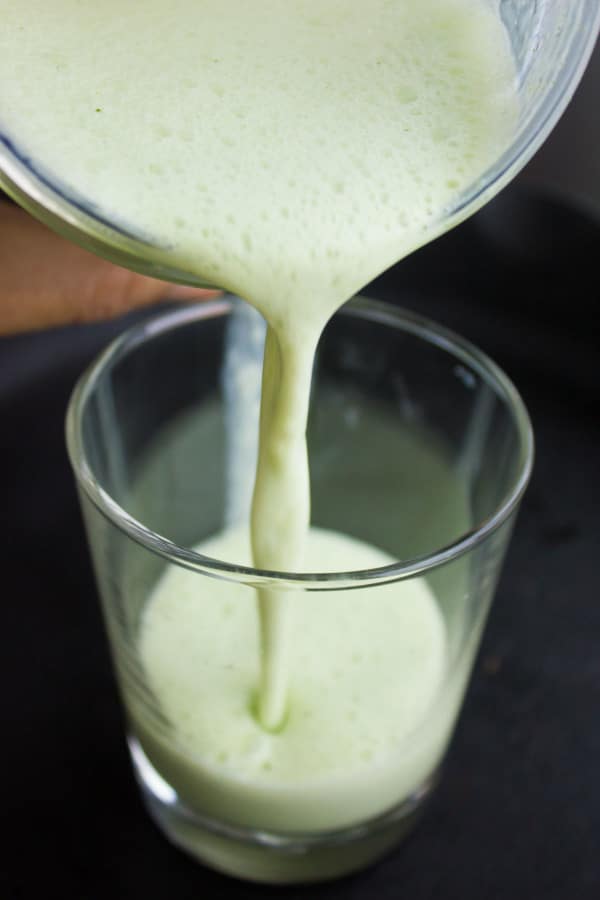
(518, 811)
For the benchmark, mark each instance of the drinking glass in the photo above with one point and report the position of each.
(419, 445)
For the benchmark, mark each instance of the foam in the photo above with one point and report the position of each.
(288, 152)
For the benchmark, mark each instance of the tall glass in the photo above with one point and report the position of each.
(420, 446)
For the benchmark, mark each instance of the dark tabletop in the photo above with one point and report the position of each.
(518, 811)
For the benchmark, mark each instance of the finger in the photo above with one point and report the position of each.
(46, 281)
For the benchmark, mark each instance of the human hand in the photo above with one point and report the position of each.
(47, 281)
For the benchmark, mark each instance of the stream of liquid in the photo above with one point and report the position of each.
(288, 152)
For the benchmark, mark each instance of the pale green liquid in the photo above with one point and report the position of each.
(286, 151)
(339, 758)
(367, 667)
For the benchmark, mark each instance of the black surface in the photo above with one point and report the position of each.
(518, 812)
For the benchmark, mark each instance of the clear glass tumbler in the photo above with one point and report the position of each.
(419, 446)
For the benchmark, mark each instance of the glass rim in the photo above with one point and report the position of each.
(374, 310)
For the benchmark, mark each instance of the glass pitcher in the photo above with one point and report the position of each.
(551, 41)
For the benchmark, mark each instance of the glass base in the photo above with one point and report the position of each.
(274, 858)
